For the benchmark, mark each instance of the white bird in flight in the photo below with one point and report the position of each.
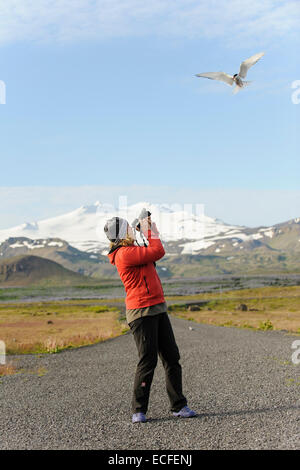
(237, 78)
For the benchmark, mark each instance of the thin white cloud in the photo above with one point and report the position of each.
(72, 20)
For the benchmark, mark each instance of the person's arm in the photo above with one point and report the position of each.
(137, 255)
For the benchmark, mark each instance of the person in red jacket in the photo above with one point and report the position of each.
(146, 314)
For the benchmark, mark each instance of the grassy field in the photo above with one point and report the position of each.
(47, 327)
(51, 326)
(267, 308)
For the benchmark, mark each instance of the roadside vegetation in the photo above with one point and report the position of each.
(39, 327)
(7, 369)
(267, 308)
(49, 327)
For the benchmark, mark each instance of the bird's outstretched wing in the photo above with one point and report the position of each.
(245, 66)
(222, 76)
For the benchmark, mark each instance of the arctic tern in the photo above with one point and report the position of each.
(236, 78)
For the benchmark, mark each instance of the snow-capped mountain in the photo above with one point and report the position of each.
(186, 227)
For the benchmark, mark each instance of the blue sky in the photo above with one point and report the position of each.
(103, 94)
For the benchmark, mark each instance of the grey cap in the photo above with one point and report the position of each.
(116, 229)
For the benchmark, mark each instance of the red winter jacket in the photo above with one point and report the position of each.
(138, 274)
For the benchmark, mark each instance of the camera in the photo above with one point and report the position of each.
(143, 215)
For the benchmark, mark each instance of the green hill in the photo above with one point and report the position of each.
(25, 270)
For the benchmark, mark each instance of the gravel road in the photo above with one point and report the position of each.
(242, 383)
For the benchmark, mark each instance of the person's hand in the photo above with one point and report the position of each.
(145, 225)
(154, 230)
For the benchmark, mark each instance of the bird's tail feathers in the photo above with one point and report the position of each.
(239, 88)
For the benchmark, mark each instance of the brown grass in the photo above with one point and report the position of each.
(45, 327)
(279, 311)
(256, 320)
(7, 369)
(12, 368)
